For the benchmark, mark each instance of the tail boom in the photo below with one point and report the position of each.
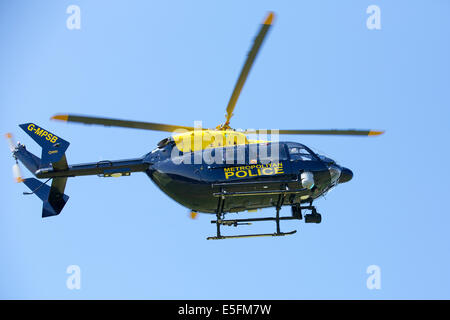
(102, 168)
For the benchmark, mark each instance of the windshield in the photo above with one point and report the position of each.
(323, 156)
(299, 152)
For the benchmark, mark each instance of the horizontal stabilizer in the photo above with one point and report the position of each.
(53, 197)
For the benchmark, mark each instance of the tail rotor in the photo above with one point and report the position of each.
(17, 173)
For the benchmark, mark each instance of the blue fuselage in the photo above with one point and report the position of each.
(196, 181)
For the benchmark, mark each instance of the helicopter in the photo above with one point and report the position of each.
(214, 171)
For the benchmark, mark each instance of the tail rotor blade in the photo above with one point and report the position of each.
(17, 174)
(9, 138)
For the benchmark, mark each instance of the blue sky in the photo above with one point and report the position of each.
(176, 62)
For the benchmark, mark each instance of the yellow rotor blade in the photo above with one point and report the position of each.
(247, 66)
(193, 215)
(348, 132)
(119, 123)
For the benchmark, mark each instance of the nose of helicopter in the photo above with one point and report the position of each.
(346, 175)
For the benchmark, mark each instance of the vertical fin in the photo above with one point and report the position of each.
(53, 147)
(53, 197)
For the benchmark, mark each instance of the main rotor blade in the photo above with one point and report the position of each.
(119, 123)
(247, 66)
(349, 132)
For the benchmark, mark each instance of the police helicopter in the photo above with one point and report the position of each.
(215, 171)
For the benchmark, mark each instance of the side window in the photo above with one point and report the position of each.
(234, 155)
(275, 152)
(266, 153)
(299, 153)
(254, 153)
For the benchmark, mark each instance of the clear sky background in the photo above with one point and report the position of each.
(176, 62)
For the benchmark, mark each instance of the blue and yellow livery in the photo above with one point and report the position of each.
(215, 171)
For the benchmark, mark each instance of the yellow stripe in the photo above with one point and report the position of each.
(269, 19)
(62, 117)
(375, 133)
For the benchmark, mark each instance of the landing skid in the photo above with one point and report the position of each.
(254, 235)
(296, 215)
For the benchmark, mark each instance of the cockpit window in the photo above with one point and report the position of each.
(300, 153)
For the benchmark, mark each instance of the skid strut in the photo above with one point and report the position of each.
(222, 195)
